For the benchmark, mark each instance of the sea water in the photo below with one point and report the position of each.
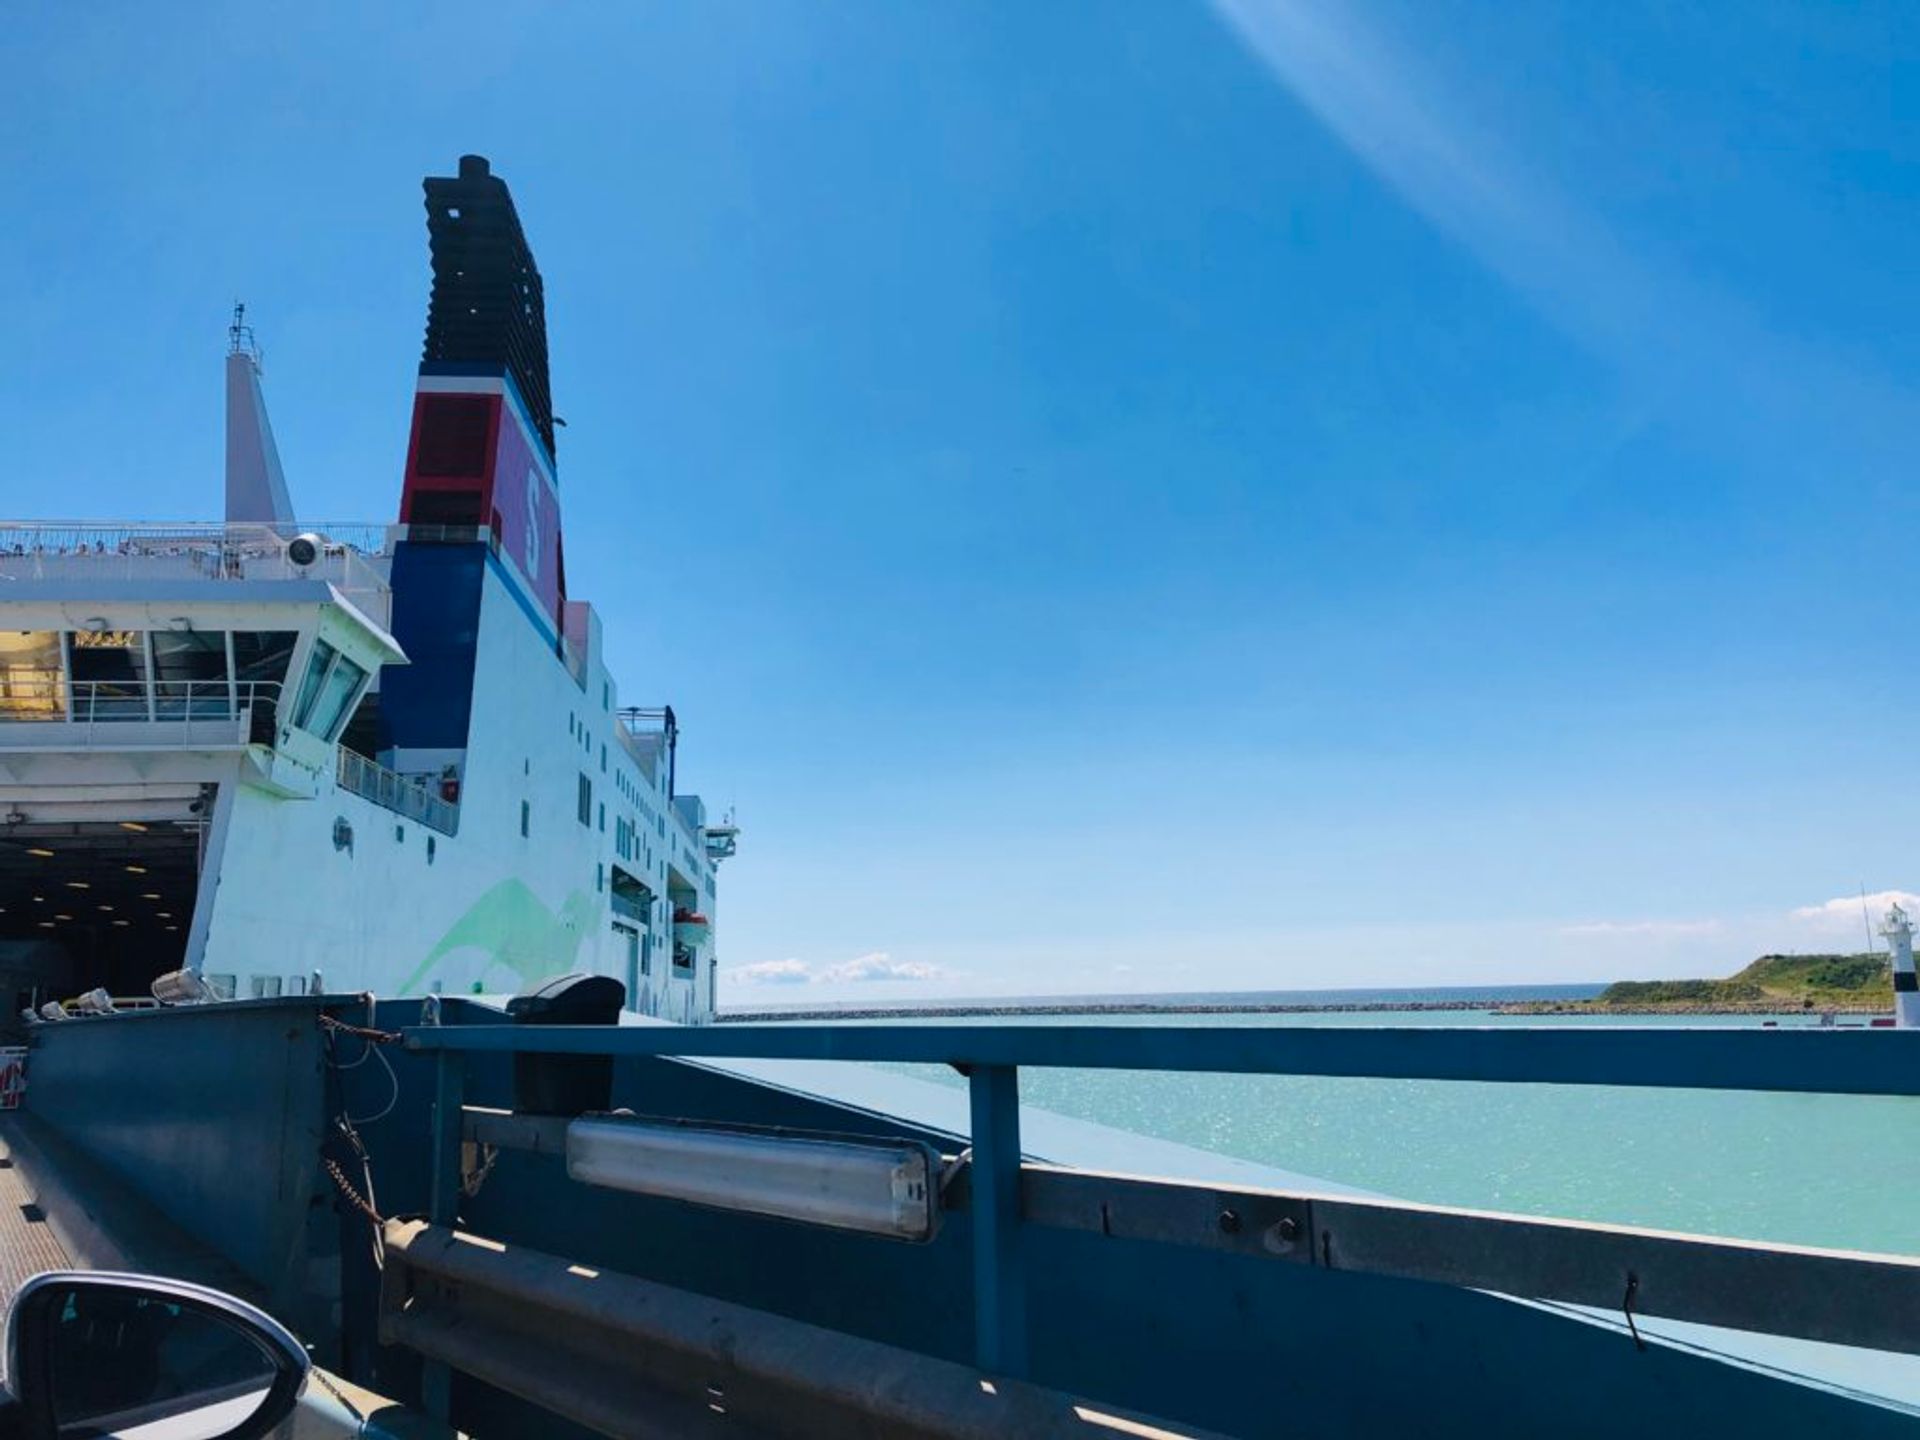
(1829, 1170)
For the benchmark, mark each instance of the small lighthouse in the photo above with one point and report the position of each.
(1898, 931)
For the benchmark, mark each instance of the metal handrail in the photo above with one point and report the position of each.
(124, 537)
(1810, 1061)
(402, 794)
(85, 553)
(224, 707)
(1837, 1297)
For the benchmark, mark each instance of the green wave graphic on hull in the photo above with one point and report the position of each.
(515, 930)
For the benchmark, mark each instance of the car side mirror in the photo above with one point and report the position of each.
(94, 1355)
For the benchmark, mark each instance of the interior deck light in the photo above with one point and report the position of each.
(43, 854)
(136, 869)
(881, 1187)
(133, 825)
(78, 885)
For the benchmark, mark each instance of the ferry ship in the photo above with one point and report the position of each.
(282, 756)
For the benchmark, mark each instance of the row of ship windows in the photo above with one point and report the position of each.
(624, 784)
(272, 987)
(625, 832)
(259, 987)
(626, 842)
(622, 781)
(626, 836)
(577, 729)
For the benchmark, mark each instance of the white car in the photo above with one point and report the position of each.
(100, 1356)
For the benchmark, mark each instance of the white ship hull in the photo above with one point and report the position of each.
(385, 759)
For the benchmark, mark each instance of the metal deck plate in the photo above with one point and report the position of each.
(27, 1243)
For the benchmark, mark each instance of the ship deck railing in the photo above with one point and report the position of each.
(648, 735)
(1839, 1297)
(63, 549)
(104, 538)
(74, 552)
(142, 713)
(402, 794)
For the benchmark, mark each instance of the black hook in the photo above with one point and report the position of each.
(1626, 1308)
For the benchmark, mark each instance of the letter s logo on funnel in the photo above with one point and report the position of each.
(532, 489)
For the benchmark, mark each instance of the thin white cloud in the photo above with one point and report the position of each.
(1854, 911)
(771, 972)
(880, 966)
(863, 969)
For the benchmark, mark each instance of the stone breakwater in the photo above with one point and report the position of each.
(1498, 1007)
(1093, 1007)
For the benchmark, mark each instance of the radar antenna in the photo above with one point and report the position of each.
(240, 334)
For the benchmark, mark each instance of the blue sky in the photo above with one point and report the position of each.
(1150, 496)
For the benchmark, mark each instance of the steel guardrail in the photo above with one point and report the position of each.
(1878, 1296)
(1810, 1061)
(140, 710)
(390, 790)
(1842, 1297)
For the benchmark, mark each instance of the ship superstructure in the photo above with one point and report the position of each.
(382, 758)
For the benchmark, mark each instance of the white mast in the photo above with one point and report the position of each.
(1898, 930)
(256, 488)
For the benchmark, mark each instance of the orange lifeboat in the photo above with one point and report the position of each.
(690, 927)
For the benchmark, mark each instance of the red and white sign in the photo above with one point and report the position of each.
(13, 1076)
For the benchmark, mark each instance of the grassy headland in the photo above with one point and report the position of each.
(1856, 984)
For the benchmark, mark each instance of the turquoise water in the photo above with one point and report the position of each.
(1803, 1169)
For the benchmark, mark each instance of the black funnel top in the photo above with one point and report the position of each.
(488, 305)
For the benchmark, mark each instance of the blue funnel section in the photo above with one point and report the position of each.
(428, 703)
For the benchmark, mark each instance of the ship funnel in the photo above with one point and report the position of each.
(256, 487)
(1898, 931)
(480, 466)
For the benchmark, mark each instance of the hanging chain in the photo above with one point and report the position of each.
(372, 1036)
